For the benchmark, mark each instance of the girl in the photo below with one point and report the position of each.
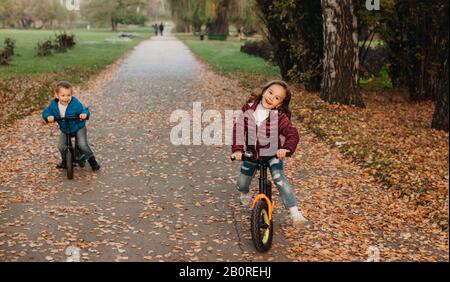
(66, 105)
(264, 109)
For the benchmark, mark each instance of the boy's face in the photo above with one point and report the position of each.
(273, 97)
(64, 95)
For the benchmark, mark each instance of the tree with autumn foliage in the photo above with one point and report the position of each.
(295, 31)
(26, 13)
(191, 15)
(115, 12)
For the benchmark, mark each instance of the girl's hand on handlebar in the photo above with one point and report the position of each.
(83, 116)
(237, 156)
(281, 153)
(50, 119)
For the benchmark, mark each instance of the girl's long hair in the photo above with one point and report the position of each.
(257, 96)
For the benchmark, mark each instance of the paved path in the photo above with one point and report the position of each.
(152, 200)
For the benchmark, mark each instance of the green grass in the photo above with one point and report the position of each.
(91, 52)
(226, 57)
(377, 83)
(375, 43)
(27, 83)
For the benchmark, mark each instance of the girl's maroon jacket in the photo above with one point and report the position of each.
(285, 129)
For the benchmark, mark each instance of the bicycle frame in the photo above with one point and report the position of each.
(69, 143)
(69, 135)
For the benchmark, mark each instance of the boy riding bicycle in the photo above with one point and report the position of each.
(66, 105)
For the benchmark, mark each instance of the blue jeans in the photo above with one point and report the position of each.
(276, 167)
(82, 144)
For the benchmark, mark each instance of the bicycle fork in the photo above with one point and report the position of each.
(69, 144)
(265, 191)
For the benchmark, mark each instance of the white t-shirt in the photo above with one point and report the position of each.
(62, 109)
(261, 114)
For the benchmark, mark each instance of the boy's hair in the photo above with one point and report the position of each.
(63, 84)
(257, 95)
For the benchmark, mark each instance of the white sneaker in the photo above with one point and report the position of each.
(298, 220)
(245, 198)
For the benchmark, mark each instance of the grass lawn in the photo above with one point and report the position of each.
(226, 57)
(27, 83)
(92, 51)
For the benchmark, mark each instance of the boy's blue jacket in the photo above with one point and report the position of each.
(74, 109)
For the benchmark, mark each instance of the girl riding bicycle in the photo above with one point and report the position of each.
(66, 105)
(264, 118)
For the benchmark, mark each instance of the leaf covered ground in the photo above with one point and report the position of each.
(20, 96)
(152, 203)
(391, 140)
(380, 171)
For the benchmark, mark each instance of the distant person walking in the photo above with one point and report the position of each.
(161, 29)
(155, 29)
(241, 33)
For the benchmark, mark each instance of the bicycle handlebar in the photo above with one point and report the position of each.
(67, 118)
(248, 156)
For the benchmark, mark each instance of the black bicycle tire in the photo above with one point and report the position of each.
(255, 228)
(69, 164)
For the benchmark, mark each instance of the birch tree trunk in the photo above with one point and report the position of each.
(341, 58)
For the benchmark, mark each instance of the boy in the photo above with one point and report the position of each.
(66, 105)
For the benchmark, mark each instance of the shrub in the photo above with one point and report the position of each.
(260, 48)
(64, 42)
(45, 48)
(415, 32)
(8, 51)
(295, 31)
(60, 44)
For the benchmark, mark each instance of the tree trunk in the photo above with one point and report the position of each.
(341, 54)
(113, 24)
(440, 117)
(26, 23)
(220, 24)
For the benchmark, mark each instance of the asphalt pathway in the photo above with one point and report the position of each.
(152, 201)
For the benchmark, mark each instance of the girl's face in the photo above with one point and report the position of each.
(64, 96)
(273, 97)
